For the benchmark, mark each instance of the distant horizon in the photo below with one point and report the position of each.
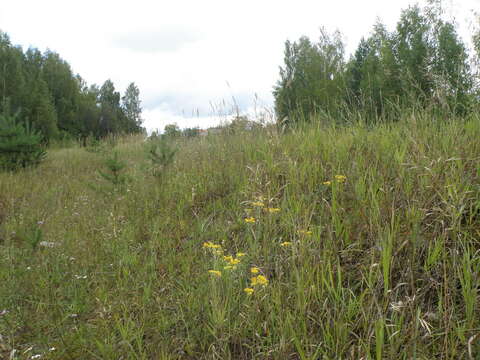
(189, 65)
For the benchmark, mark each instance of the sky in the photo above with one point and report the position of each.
(195, 62)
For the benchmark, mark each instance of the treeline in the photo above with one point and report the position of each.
(422, 64)
(43, 91)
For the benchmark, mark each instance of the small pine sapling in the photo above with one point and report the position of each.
(161, 155)
(115, 174)
(20, 144)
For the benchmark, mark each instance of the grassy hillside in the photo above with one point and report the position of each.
(364, 244)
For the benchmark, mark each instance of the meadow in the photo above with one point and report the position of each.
(323, 242)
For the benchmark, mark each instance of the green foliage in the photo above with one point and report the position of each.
(115, 171)
(131, 106)
(381, 265)
(311, 81)
(423, 64)
(46, 92)
(161, 155)
(191, 132)
(172, 131)
(32, 236)
(20, 144)
(94, 145)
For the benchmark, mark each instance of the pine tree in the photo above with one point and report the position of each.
(20, 144)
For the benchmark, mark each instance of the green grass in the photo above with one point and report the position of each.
(390, 270)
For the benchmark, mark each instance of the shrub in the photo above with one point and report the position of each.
(161, 155)
(20, 144)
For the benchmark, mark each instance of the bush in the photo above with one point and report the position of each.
(161, 155)
(20, 144)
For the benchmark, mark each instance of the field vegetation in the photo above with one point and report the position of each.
(325, 242)
(347, 229)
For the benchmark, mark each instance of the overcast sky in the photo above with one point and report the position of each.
(190, 58)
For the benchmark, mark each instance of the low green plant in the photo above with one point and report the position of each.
(115, 167)
(32, 235)
(161, 155)
(20, 144)
(94, 145)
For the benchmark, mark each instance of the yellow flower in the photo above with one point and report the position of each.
(327, 183)
(249, 291)
(229, 267)
(254, 270)
(286, 243)
(259, 280)
(340, 178)
(215, 272)
(262, 280)
(250, 220)
(240, 254)
(258, 203)
(273, 210)
(210, 245)
(231, 260)
(234, 261)
(305, 232)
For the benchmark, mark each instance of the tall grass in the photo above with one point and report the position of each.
(382, 265)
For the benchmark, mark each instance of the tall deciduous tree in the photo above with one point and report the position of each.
(311, 80)
(131, 106)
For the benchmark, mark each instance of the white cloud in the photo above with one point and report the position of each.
(166, 38)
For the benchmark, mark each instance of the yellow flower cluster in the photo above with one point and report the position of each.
(216, 248)
(250, 220)
(248, 290)
(339, 178)
(259, 280)
(231, 261)
(210, 245)
(262, 205)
